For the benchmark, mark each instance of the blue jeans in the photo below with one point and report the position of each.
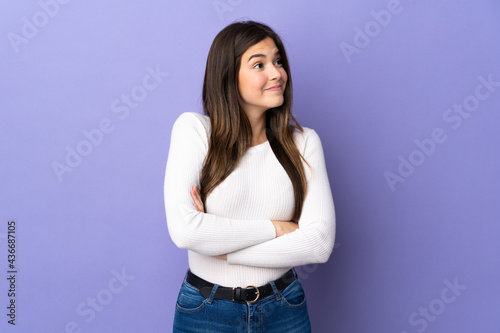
(285, 311)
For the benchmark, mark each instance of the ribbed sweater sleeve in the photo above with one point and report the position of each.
(203, 233)
(313, 241)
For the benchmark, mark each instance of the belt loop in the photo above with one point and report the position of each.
(275, 290)
(212, 294)
(237, 294)
(185, 276)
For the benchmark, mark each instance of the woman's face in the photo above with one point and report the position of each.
(262, 78)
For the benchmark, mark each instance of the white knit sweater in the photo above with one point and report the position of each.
(240, 210)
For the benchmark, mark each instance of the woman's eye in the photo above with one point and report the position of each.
(259, 65)
(279, 62)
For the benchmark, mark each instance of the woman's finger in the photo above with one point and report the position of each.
(198, 203)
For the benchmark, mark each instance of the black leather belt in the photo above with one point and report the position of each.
(249, 294)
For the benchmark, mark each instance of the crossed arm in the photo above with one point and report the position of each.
(263, 243)
(282, 227)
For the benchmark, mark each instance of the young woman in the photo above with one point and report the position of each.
(246, 192)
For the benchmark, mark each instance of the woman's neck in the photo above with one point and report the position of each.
(258, 124)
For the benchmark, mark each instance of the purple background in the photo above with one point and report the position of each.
(397, 249)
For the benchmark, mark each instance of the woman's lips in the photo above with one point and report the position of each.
(275, 88)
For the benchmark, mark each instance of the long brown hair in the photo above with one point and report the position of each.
(231, 132)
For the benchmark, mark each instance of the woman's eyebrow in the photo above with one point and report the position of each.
(259, 55)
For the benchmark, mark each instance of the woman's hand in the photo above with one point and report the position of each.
(198, 204)
(284, 227)
(222, 256)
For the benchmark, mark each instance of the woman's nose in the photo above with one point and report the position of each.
(274, 73)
